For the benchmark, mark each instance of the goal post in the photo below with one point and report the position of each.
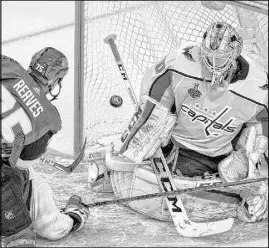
(78, 78)
(146, 32)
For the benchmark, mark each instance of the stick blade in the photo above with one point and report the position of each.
(17, 148)
(66, 168)
(75, 164)
(196, 229)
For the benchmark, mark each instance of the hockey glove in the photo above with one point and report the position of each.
(77, 212)
(148, 130)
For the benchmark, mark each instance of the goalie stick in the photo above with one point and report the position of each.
(110, 40)
(208, 188)
(184, 226)
(67, 168)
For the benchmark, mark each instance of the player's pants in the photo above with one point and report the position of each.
(47, 219)
(191, 163)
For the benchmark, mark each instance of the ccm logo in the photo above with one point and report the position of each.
(173, 199)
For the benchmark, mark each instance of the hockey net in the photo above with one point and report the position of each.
(147, 31)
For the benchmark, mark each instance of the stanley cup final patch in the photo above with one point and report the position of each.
(194, 92)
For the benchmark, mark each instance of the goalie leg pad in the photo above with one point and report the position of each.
(122, 170)
(199, 205)
(101, 163)
(121, 183)
(121, 173)
(154, 207)
(115, 161)
(125, 184)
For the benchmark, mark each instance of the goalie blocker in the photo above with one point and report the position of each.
(150, 128)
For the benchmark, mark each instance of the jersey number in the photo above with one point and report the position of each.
(19, 116)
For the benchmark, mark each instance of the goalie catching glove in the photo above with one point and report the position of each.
(150, 128)
(77, 212)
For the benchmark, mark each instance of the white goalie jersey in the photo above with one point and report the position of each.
(204, 125)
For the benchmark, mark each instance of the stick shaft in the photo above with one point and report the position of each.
(179, 191)
(122, 70)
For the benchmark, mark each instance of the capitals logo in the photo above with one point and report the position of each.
(210, 120)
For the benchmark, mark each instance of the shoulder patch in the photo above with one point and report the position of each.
(187, 53)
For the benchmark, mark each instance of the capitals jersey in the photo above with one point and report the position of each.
(24, 104)
(205, 124)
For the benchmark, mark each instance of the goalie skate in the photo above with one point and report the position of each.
(98, 174)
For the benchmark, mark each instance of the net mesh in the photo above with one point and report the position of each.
(146, 32)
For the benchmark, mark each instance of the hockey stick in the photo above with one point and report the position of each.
(17, 148)
(184, 226)
(208, 188)
(67, 168)
(110, 40)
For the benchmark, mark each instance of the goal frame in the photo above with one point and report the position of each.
(79, 131)
(78, 78)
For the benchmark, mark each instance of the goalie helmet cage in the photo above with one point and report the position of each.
(146, 32)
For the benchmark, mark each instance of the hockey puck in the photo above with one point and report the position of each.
(116, 101)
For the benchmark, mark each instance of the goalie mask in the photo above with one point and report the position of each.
(48, 67)
(220, 48)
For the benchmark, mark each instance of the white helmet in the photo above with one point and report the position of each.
(220, 48)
